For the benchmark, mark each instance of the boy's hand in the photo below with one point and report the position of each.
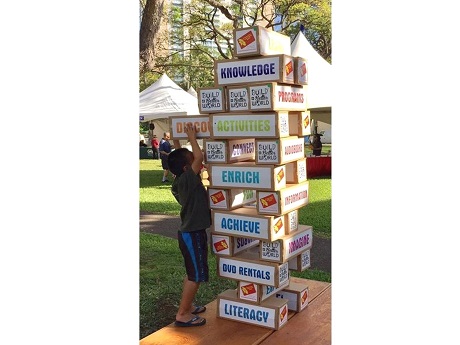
(190, 131)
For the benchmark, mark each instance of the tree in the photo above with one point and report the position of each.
(150, 26)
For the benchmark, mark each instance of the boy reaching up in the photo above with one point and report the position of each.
(195, 217)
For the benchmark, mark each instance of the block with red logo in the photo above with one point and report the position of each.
(288, 246)
(258, 40)
(279, 151)
(257, 292)
(276, 96)
(246, 222)
(271, 68)
(246, 266)
(229, 199)
(229, 150)
(250, 125)
(225, 245)
(271, 313)
(212, 100)
(301, 71)
(282, 201)
(238, 98)
(178, 124)
(296, 294)
(296, 172)
(247, 175)
(301, 262)
(299, 123)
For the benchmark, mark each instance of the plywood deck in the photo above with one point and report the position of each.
(311, 326)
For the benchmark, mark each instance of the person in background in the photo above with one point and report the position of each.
(195, 215)
(165, 150)
(156, 147)
(142, 143)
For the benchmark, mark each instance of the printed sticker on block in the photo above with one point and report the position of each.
(211, 100)
(178, 124)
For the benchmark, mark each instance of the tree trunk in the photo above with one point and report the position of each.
(150, 26)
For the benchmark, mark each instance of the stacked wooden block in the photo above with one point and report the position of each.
(253, 126)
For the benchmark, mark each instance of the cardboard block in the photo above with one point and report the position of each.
(301, 71)
(178, 123)
(247, 175)
(279, 151)
(238, 98)
(228, 151)
(288, 246)
(225, 245)
(278, 68)
(301, 262)
(250, 125)
(277, 97)
(246, 222)
(296, 172)
(296, 294)
(212, 100)
(229, 199)
(292, 222)
(282, 201)
(258, 40)
(272, 313)
(257, 292)
(248, 268)
(299, 123)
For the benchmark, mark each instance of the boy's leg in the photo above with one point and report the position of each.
(189, 291)
(194, 248)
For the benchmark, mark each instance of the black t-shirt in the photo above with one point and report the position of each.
(189, 191)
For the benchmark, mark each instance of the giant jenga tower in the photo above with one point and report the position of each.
(253, 122)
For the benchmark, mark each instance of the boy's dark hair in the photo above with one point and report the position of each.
(177, 159)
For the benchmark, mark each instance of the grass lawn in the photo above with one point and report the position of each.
(161, 267)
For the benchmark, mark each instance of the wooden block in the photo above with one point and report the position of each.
(258, 40)
(277, 97)
(238, 98)
(225, 245)
(301, 262)
(250, 125)
(272, 313)
(297, 296)
(257, 292)
(301, 71)
(212, 100)
(229, 199)
(228, 151)
(296, 172)
(279, 151)
(248, 268)
(247, 175)
(282, 201)
(178, 123)
(278, 68)
(288, 246)
(246, 222)
(299, 123)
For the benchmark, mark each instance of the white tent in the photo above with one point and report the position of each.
(162, 99)
(319, 86)
(192, 91)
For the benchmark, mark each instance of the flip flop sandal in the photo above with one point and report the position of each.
(190, 322)
(199, 309)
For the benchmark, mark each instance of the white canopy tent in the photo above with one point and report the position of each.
(319, 86)
(162, 99)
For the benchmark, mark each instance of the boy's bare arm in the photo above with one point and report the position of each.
(197, 153)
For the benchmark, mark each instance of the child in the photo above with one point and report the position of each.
(195, 216)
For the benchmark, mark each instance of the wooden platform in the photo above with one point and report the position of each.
(312, 326)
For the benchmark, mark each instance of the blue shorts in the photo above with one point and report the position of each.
(194, 248)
